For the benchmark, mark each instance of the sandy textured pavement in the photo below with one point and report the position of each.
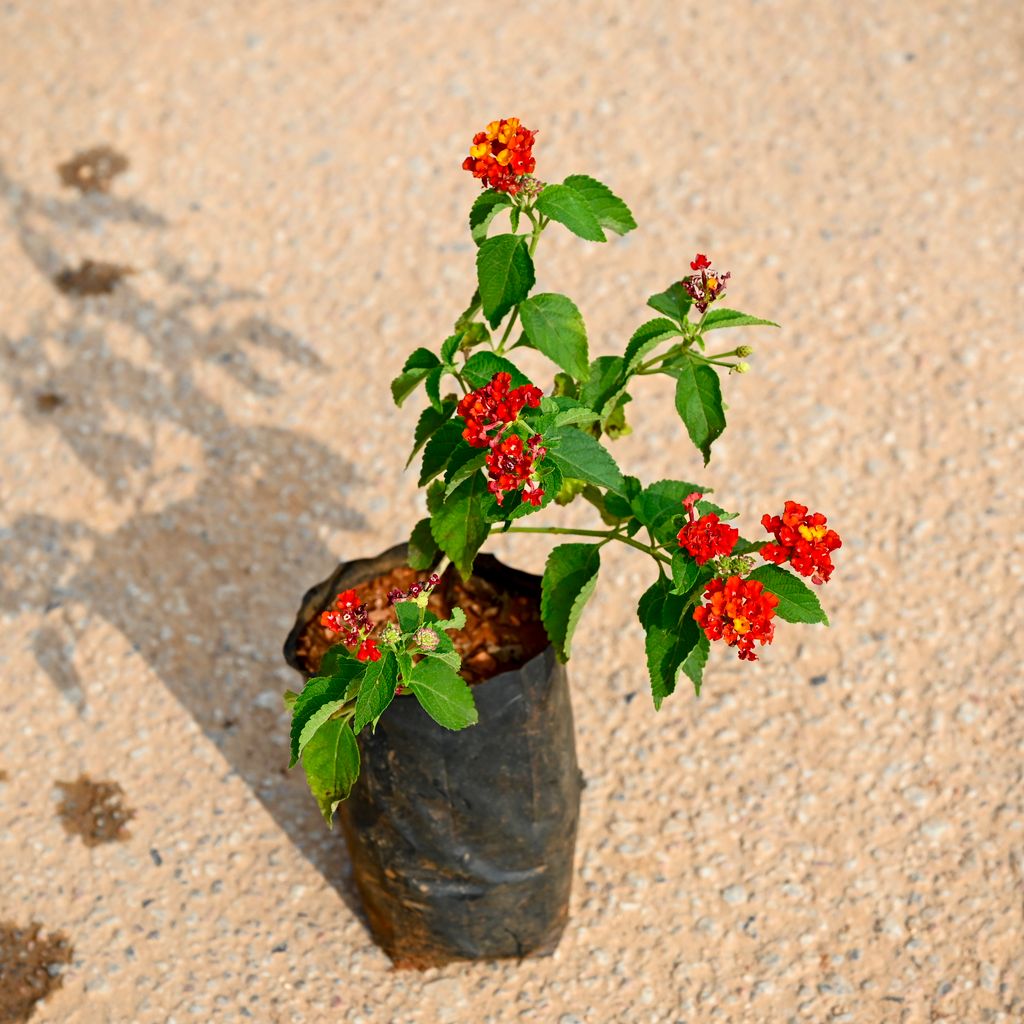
(833, 834)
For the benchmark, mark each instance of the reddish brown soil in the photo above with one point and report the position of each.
(93, 810)
(503, 631)
(30, 969)
(93, 169)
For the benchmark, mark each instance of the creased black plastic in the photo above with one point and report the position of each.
(462, 842)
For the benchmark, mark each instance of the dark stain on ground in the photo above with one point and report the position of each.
(3, 775)
(92, 277)
(93, 810)
(31, 967)
(92, 170)
(48, 401)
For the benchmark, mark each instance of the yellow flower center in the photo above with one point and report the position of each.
(741, 625)
(812, 532)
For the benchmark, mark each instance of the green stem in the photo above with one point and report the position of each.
(508, 330)
(606, 534)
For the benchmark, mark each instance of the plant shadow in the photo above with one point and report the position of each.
(217, 518)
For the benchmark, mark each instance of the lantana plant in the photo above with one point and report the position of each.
(496, 448)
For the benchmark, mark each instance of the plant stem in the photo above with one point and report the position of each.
(508, 330)
(606, 534)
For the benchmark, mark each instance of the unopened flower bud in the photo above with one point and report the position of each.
(744, 350)
(395, 595)
(426, 639)
(733, 565)
(742, 367)
(390, 633)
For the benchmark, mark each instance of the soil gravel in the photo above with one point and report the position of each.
(835, 833)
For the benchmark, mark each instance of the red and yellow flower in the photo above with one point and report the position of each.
(501, 154)
(803, 540)
(739, 612)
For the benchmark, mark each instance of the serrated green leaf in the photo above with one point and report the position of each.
(289, 697)
(481, 367)
(564, 204)
(432, 381)
(674, 301)
(439, 449)
(695, 661)
(505, 271)
(416, 368)
(485, 208)
(331, 763)
(604, 385)
(658, 505)
(450, 346)
(408, 614)
(685, 572)
(570, 575)
(377, 690)
(331, 662)
(581, 457)
(319, 691)
(670, 636)
(719, 318)
(699, 403)
(555, 327)
(621, 505)
(423, 550)
(316, 720)
(431, 420)
(797, 602)
(457, 522)
(443, 694)
(574, 416)
(746, 547)
(646, 337)
(457, 620)
(611, 212)
(462, 466)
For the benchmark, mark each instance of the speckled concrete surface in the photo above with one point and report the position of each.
(833, 834)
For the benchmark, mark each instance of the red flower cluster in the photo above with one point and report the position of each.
(501, 154)
(739, 612)
(349, 617)
(706, 537)
(705, 285)
(494, 407)
(510, 466)
(414, 591)
(803, 540)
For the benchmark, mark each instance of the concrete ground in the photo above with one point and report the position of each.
(835, 833)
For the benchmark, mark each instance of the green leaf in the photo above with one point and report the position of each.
(695, 661)
(444, 442)
(423, 550)
(481, 367)
(289, 697)
(331, 762)
(450, 347)
(646, 337)
(621, 506)
(332, 661)
(685, 572)
(463, 464)
(658, 505)
(457, 522)
(671, 635)
(457, 620)
(574, 415)
(416, 368)
(746, 547)
(505, 271)
(611, 212)
(581, 457)
(485, 208)
(604, 385)
(408, 614)
(797, 602)
(377, 690)
(431, 420)
(719, 318)
(569, 579)
(317, 692)
(316, 720)
(699, 403)
(674, 301)
(555, 327)
(433, 386)
(564, 204)
(443, 694)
